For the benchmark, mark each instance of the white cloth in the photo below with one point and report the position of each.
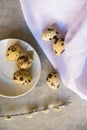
(70, 17)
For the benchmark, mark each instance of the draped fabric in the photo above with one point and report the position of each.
(70, 17)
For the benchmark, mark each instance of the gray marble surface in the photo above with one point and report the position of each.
(72, 117)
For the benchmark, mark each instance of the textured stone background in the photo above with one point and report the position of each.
(72, 117)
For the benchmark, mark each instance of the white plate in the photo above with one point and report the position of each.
(8, 88)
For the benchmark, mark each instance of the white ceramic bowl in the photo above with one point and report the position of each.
(8, 88)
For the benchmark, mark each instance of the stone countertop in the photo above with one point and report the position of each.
(72, 117)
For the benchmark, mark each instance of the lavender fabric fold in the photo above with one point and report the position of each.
(70, 18)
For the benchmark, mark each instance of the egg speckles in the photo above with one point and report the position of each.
(53, 80)
(58, 46)
(50, 34)
(24, 61)
(13, 52)
(22, 77)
